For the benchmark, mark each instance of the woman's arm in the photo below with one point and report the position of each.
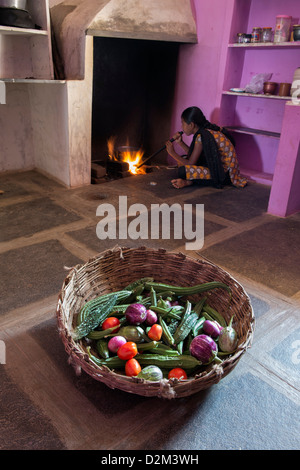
(171, 151)
(183, 161)
(196, 153)
(182, 144)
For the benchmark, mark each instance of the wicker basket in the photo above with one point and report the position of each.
(114, 269)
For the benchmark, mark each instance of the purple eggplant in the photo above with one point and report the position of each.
(136, 314)
(151, 317)
(204, 348)
(212, 328)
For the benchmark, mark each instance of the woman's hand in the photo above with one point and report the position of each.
(169, 144)
(178, 137)
(170, 148)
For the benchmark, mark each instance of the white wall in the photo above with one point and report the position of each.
(49, 118)
(16, 148)
(54, 2)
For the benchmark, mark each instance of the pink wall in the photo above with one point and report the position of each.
(285, 192)
(201, 66)
(205, 68)
(200, 73)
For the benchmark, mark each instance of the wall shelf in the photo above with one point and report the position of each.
(258, 95)
(27, 52)
(255, 132)
(10, 30)
(267, 45)
(31, 80)
(266, 156)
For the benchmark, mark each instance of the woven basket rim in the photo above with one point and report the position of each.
(171, 388)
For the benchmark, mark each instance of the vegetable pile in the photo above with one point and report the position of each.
(152, 330)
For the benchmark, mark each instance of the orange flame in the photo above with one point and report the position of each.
(111, 148)
(133, 158)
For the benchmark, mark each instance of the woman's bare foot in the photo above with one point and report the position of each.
(180, 183)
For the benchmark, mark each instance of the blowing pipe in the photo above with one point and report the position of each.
(156, 153)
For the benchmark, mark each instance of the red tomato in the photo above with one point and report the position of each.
(155, 332)
(127, 351)
(177, 373)
(110, 322)
(132, 368)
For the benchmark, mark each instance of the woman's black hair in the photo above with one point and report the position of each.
(195, 115)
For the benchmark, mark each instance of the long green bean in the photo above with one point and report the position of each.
(197, 289)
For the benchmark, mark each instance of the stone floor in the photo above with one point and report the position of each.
(47, 228)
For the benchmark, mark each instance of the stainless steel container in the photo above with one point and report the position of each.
(19, 4)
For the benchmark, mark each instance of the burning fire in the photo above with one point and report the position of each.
(132, 157)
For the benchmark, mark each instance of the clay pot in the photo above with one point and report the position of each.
(284, 89)
(296, 32)
(270, 88)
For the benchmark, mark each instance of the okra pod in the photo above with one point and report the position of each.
(146, 301)
(164, 346)
(167, 312)
(163, 351)
(168, 362)
(138, 282)
(198, 326)
(188, 342)
(136, 293)
(215, 315)
(180, 347)
(102, 348)
(199, 305)
(166, 294)
(146, 346)
(113, 362)
(185, 327)
(187, 311)
(221, 353)
(162, 303)
(166, 332)
(99, 334)
(190, 290)
(207, 316)
(153, 297)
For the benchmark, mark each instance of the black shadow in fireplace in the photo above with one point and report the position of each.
(133, 90)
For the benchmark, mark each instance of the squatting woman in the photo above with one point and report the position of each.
(211, 157)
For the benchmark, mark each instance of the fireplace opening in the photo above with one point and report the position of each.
(133, 90)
